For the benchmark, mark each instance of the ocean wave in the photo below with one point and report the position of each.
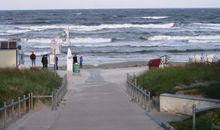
(13, 32)
(39, 40)
(72, 40)
(41, 47)
(94, 27)
(177, 38)
(204, 41)
(119, 44)
(3, 39)
(192, 50)
(155, 17)
(121, 26)
(214, 26)
(91, 40)
(41, 28)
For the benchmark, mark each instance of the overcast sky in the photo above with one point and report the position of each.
(97, 4)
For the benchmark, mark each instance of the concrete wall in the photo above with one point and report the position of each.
(183, 104)
(8, 58)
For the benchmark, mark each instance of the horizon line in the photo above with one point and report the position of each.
(109, 8)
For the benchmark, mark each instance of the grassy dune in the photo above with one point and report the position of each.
(16, 82)
(192, 79)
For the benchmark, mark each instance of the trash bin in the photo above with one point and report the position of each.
(76, 68)
(154, 63)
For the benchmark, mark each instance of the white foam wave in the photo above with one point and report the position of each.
(41, 47)
(204, 41)
(176, 38)
(13, 31)
(40, 28)
(120, 26)
(155, 17)
(72, 40)
(214, 26)
(3, 39)
(90, 40)
(94, 28)
(40, 40)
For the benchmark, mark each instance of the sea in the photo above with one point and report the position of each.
(116, 35)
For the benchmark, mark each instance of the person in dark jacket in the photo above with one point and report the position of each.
(33, 58)
(75, 59)
(56, 63)
(44, 61)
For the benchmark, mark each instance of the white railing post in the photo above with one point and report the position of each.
(194, 116)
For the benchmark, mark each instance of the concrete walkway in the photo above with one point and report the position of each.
(96, 100)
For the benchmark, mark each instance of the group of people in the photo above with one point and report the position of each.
(44, 61)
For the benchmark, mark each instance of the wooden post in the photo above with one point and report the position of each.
(145, 99)
(5, 115)
(12, 109)
(19, 106)
(52, 100)
(149, 101)
(32, 101)
(29, 102)
(24, 104)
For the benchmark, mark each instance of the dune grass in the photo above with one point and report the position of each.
(169, 79)
(19, 82)
(204, 121)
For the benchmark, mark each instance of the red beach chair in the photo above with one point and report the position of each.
(154, 63)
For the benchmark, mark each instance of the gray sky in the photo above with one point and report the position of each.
(96, 4)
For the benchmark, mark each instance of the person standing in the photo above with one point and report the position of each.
(80, 61)
(44, 61)
(56, 63)
(75, 59)
(33, 58)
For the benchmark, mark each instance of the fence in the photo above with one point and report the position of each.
(137, 93)
(58, 94)
(196, 110)
(12, 111)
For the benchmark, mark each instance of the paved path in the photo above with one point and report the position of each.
(94, 102)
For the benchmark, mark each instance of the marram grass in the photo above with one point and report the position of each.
(19, 82)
